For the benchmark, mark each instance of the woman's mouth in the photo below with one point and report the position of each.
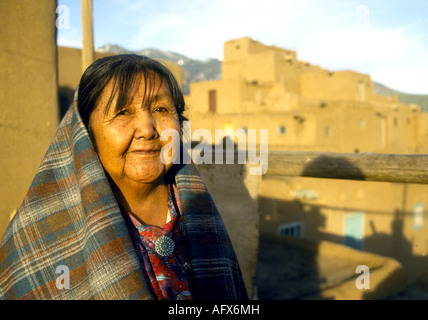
(145, 152)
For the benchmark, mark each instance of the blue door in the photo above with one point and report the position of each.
(354, 230)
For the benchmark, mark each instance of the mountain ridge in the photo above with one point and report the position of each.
(195, 70)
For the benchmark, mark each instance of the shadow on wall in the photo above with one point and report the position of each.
(416, 266)
(288, 271)
(285, 271)
(65, 98)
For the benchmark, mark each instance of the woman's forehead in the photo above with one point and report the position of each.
(144, 89)
(154, 89)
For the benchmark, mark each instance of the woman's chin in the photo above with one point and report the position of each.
(151, 174)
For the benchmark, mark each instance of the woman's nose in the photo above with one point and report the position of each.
(145, 126)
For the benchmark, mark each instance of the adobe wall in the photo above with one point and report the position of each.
(235, 194)
(423, 133)
(341, 85)
(253, 62)
(28, 96)
(390, 224)
(330, 127)
(228, 96)
(69, 60)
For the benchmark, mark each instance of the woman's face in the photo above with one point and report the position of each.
(128, 141)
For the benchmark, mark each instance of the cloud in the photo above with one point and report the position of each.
(333, 34)
(405, 78)
(350, 46)
(388, 55)
(199, 28)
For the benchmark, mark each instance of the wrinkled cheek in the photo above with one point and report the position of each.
(113, 166)
(111, 157)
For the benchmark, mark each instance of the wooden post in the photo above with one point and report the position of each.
(400, 168)
(88, 53)
(381, 167)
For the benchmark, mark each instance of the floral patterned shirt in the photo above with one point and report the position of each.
(162, 252)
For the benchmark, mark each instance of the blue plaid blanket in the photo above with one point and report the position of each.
(70, 227)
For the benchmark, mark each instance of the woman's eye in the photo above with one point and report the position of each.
(161, 109)
(122, 112)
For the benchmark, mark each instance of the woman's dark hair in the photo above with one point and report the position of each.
(125, 70)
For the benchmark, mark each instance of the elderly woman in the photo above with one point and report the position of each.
(106, 217)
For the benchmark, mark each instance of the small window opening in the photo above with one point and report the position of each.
(293, 229)
(212, 101)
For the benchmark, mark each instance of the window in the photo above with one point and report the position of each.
(327, 131)
(212, 101)
(293, 229)
(281, 130)
(362, 90)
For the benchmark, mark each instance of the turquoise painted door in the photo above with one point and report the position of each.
(418, 216)
(354, 230)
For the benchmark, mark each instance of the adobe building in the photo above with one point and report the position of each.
(305, 107)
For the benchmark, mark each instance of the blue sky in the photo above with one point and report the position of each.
(387, 39)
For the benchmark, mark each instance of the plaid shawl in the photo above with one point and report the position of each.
(70, 218)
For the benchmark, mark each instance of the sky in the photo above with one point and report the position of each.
(386, 39)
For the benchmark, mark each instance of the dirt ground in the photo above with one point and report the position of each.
(287, 272)
(414, 292)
